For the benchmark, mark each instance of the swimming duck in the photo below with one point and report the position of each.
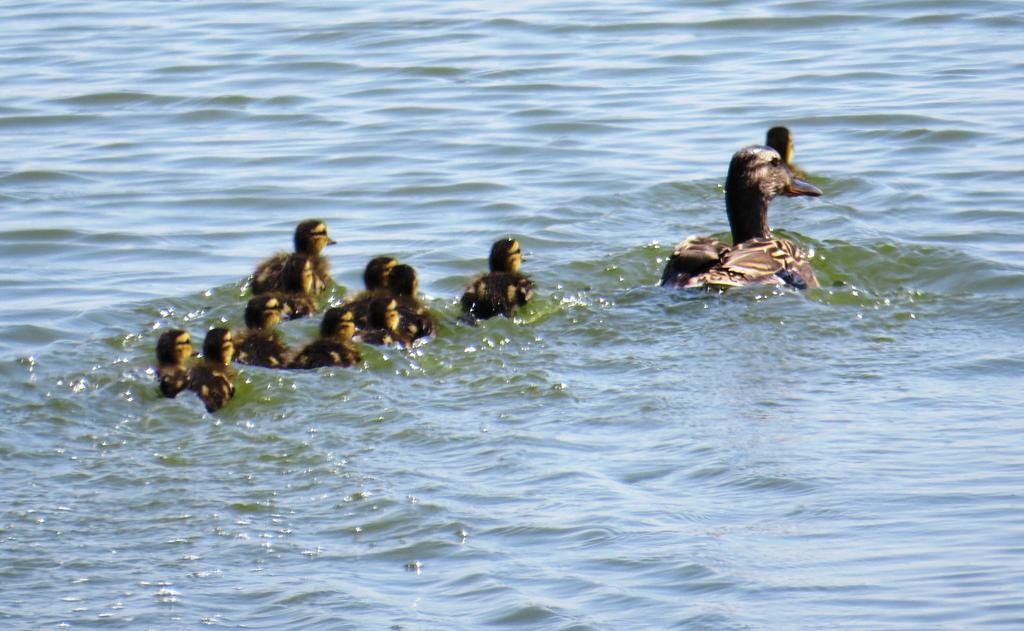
(259, 344)
(500, 291)
(779, 139)
(383, 322)
(375, 277)
(334, 347)
(212, 378)
(756, 175)
(173, 349)
(298, 280)
(310, 239)
(415, 320)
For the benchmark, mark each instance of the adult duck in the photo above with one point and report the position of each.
(757, 174)
(310, 239)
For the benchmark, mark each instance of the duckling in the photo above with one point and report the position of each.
(173, 349)
(212, 378)
(259, 345)
(382, 326)
(779, 139)
(296, 296)
(375, 277)
(756, 175)
(503, 289)
(310, 239)
(416, 321)
(334, 347)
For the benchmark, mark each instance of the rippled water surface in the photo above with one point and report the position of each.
(617, 457)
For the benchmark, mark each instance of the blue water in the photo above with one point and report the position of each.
(618, 456)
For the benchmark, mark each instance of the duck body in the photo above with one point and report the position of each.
(310, 239)
(496, 294)
(500, 291)
(334, 346)
(173, 349)
(414, 319)
(327, 352)
(262, 348)
(757, 174)
(212, 378)
(296, 295)
(383, 324)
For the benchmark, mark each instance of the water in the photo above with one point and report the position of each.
(619, 456)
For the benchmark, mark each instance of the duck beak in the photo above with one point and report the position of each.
(799, 187)
(331, 241)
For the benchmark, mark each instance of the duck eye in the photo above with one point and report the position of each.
(776, 161)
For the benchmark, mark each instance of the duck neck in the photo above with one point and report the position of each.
(748, 214)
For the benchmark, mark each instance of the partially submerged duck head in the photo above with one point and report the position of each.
(173, 348)
(338, 323)
(375, 276)
(263, 312)
(218, 347)
(779, 139)
(311, 237)
(506, 256)
(757, 174)
(402, 281)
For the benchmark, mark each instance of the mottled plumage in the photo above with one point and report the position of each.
(334, 347)
(173, 349)
(375, 277)
(415, 320)
(212, 378)
(382, 325)
(296, 296)
(756, 175)
(259, 344)
(500, 291)
(310, 239)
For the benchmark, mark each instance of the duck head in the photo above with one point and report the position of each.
(403, 281)
(757, 174)
(219, 347)
(506, 256)
(384, 314)
(779, 139)
(338, 323)
(173, 347)
(375, 276)
(263, 312)
(311, 237)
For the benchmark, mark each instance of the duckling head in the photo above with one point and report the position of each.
(263, 312)
(298, 274)
(506, 256)
(173, 347)
(311, 237)
(219, 347)
(779, 139)
(384, 314)
(403, 281)
(757, 174)
(375, 276)
(338, 323)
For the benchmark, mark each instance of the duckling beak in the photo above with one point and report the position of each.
(799, 187)
(331, 241)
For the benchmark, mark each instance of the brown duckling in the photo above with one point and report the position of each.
(310, 239)
(500, 291)
(779, 139)
(375, 277)
(757, 174)
(383, 324)
(296, 297)
(173, 349)
(334, 347)
(259, 344)
(415, 319)
(212, 377)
